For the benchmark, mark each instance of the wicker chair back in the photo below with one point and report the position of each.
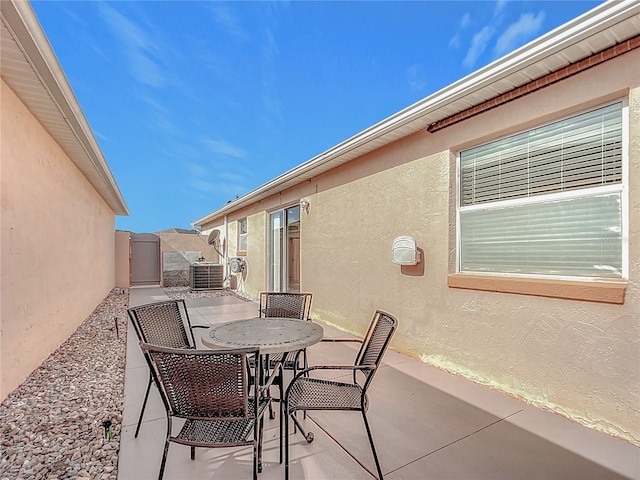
(288, 305)
(375, 343)
(164, 323)
(200, 384)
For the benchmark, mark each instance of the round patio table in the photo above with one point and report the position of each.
(269, 335)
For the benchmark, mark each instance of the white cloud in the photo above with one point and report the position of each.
(500, 4)
(223, 148)
(416, 78)
(195, 169)
(455, 41)
(146, 70)
(228, 189)
(125, 29)
(101, 136)
(270, 99)
(226, 20)
(478, 46)
(213, 180)
(516, 34)
(465, 21)
(138, 45)
(203, 185)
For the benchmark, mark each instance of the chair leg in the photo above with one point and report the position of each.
(166, 449)
(144, 405)
(193, 453)
(286, 443)
(272, 414)
(305, 365)
(260, 440)
(373, 448)
(282, 415)
(256, 450)
(298, 426)
(266, 374)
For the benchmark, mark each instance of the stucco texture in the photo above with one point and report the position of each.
(255, 278)
(579, 359)
(57, 246)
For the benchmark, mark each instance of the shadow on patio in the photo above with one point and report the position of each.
(426, 424)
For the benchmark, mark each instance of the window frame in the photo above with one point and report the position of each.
(242, 221)
(599, 289)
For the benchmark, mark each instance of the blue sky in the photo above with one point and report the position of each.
(196, 103)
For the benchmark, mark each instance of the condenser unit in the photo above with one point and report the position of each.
(206, 276)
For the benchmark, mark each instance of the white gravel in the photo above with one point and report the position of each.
(51, 425)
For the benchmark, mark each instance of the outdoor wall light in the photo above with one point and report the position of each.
(304, 205)
(404, 251)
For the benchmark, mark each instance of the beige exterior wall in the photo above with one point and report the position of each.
(58, 243)
(580, 359)
(185, 242)
(256, 278)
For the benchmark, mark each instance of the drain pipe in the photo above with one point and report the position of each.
(225, 259)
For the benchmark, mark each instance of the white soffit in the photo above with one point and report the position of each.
(30, 67)
(602, 27)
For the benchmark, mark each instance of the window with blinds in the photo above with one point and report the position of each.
(547, 201)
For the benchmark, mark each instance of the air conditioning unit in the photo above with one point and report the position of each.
(206, 276)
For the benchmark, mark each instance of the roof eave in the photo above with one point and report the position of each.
(21, 21)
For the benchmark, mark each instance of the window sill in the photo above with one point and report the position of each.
(588, 291)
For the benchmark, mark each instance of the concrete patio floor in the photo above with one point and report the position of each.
(427, 424)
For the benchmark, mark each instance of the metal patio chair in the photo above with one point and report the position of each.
(210, 390)
(165, 324)
(308, 393)
(287, 305)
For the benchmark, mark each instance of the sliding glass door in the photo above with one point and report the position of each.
(284, 250)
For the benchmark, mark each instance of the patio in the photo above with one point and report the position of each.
(426, 424)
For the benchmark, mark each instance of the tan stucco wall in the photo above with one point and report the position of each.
(256, 278)
(580, 359)
(185, 242)
(58, 244)
(122, 261)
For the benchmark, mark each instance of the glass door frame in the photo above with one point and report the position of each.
(281, 225)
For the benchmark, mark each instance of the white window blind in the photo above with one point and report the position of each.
(578, 152)
(547, 201)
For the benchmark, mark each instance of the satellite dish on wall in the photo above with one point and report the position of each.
(213, 236)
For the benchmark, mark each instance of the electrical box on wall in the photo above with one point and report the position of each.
(404, 251)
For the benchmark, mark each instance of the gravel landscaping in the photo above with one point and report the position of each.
(186, 292)
(52, 425)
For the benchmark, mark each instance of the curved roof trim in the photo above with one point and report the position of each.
(31, 69)
(594, 31)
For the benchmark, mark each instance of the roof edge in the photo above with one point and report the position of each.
(21, 20)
